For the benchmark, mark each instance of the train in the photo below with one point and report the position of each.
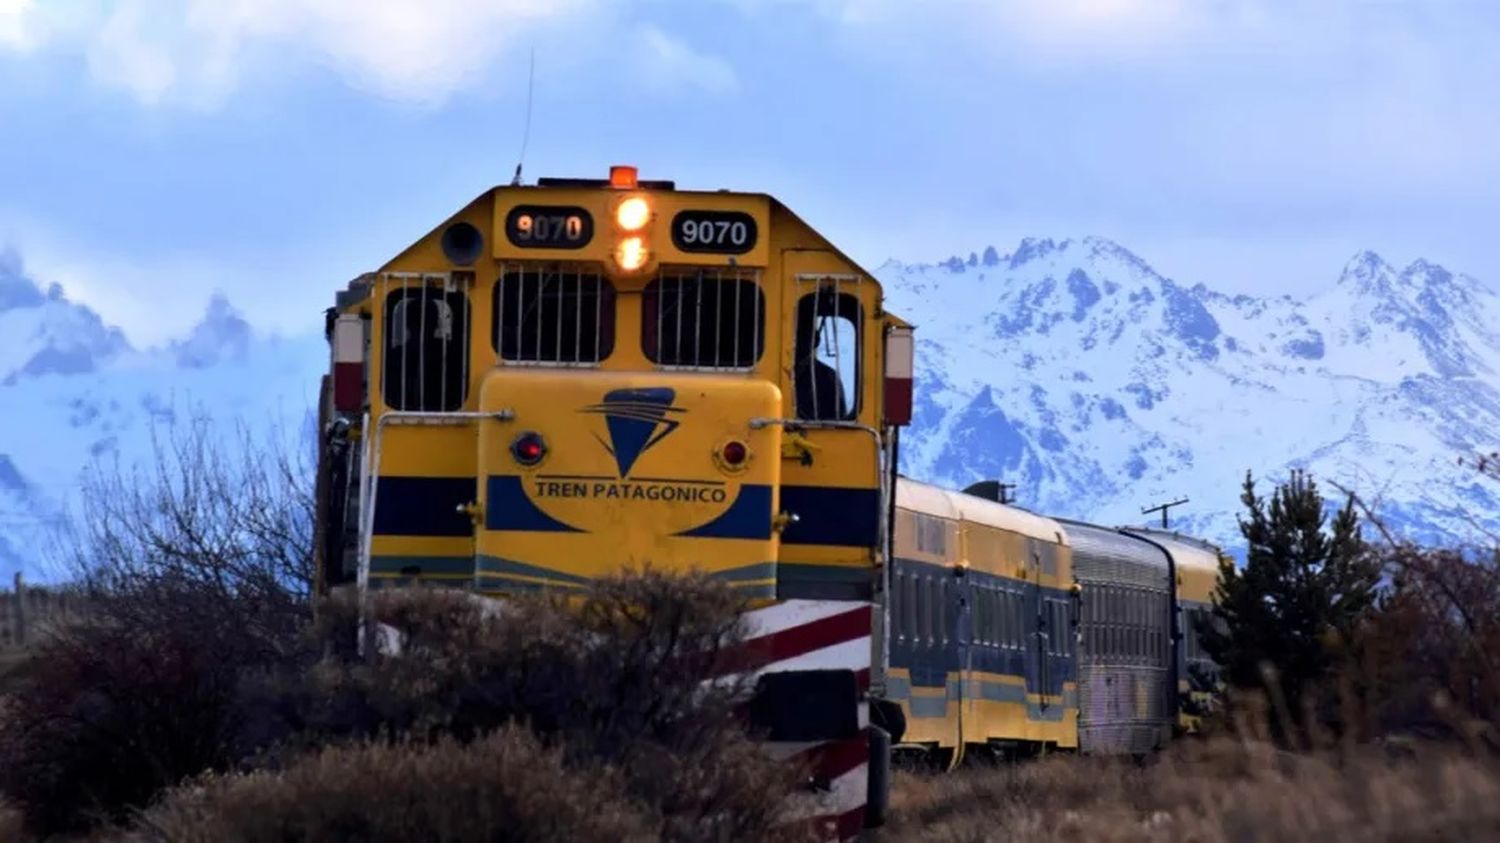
(565, 379)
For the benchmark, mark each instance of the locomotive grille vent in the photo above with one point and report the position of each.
(426, 337)
(704, 319)
(553, 315)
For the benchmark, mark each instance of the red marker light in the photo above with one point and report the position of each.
(529, 448)
(622, 176)
(735, 453)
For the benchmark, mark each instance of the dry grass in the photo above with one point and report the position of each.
(507, 786)
(1222, 790)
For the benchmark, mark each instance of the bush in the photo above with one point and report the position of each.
(615, 676)
(109, 712)
(506, 786)
(200, 653)
(104, 714)
(224, 519)
(1429, 660)
(1426, 664)
(193, 575)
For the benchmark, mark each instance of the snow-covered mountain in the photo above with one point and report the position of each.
(74, 392)
(42, 333)
(1076, 371)
(1071, 369)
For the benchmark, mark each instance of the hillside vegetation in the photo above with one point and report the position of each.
(1220, 791)
(201, 698)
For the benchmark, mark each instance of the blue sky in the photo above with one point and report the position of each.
(154, 151)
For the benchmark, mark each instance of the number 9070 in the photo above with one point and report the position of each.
(549, 227)
(732, 232)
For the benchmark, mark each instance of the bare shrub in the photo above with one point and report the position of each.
(192, 574)
(1430, 659)
(1428, 662)
(200, 653)
(227, 518)
(105, 714)
(616, 675)
(108, 714)
(1220, 790)
(505, 786)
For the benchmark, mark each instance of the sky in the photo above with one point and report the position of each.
(153, 152)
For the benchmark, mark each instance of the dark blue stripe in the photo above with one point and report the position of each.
(748, 517)
(508, 508)
(831, 516)
(423, 506)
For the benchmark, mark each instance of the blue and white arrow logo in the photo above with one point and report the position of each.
(636, 419)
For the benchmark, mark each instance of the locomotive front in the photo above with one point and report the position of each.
(564, 381)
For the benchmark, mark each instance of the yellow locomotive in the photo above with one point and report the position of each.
(564, 380)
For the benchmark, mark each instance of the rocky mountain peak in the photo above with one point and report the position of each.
(221, 335)
(17, 291)
(44, 333)
(1078, 371)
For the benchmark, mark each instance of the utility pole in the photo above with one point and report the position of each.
(1162, 508)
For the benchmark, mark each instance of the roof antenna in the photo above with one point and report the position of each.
(526, 132)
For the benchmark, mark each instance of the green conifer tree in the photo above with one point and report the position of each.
(1298, 599)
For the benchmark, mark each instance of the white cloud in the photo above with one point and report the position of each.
(199, 51)
(1102, 24)
(1036, 20)
(151, 300)
(670, 64)
(121, 56)
(1156, 31)
(18, 25)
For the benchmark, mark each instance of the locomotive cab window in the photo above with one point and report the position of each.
(826, 356)
(426, 361)
(703, 320)
(552, 316)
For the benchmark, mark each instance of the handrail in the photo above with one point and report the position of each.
(884, 482)
(369, 486)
